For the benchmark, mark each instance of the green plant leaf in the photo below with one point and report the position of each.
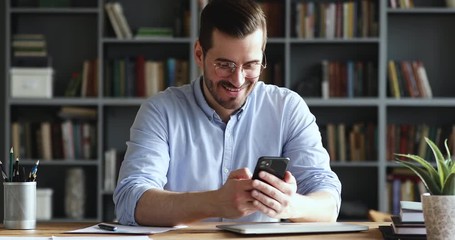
(428, 167)
(442, 167)
(449, 185)
(449, 162)
(431, 182)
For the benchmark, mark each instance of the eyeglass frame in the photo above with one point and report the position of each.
(234, 67)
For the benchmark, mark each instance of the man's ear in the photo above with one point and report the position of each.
(198, 54)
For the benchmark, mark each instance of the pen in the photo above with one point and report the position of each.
(11, 158)
(107, 227)
(16, 177)
(32, 175)
(4, 175)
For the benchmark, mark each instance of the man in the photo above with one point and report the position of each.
(192, 148)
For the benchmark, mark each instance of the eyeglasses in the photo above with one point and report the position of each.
(249, 70)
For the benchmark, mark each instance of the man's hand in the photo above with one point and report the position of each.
(234, 197)
(275, 197)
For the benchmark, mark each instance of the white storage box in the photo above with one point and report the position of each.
(44, 203)
(31, 82)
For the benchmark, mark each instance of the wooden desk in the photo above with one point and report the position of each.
(194, 231)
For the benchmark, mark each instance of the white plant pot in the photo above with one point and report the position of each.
(439, 215)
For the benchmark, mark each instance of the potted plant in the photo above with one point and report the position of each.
(439, 203)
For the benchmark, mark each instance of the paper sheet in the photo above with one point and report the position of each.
(25, 238)
(122, 229)
(98, 237)
(77, 238)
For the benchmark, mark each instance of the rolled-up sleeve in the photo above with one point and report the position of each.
(143, 167)
(310, 160)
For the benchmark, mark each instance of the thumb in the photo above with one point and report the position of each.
(242, 173)
(289, 178)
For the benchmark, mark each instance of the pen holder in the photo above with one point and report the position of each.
(19, 200)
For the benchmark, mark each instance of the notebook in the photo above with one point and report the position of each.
(284, 228)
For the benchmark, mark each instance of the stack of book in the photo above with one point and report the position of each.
(29, 45)
(30, 50)
(409, 222)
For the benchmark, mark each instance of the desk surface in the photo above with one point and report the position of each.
(194, 231)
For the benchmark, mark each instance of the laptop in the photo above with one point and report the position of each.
(292, 228)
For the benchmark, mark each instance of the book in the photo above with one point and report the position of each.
(388, 234)
(86, 141)
(140, 76)
(85, 77)
(424, 77)
(67, 139)
(414, 228)
(121, 20)
(113, 20)
(411, 211)
(153, 32)
(331, 136)
(394, 87)
(67, 112)
(46, 140)
(409, 79)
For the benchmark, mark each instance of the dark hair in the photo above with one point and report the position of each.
(237, 18)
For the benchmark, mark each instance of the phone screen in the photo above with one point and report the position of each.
(274, 165)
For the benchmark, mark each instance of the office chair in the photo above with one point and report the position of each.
(376, 216)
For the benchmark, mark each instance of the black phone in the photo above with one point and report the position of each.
(274, 165)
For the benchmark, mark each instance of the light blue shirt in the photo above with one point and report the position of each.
(179, 143)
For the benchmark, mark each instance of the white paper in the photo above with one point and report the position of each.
(123, 229)
(77, 238)
(25, 238)
(98, 237)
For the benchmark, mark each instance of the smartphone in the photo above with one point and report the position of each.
(274, 165)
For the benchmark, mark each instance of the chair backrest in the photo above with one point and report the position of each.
(377, 216)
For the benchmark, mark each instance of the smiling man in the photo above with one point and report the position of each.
(192, 148)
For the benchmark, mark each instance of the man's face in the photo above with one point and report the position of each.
(229, 93)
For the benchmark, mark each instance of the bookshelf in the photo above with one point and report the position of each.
(83, 31)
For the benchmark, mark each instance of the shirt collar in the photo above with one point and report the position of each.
(202, 102)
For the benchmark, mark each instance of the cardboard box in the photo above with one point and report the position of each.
(31, 82)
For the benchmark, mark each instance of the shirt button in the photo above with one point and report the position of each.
(226, 170)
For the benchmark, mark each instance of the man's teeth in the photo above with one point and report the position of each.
(231, 89)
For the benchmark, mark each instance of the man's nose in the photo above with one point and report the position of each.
(238, 77)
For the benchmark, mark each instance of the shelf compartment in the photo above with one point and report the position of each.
(425, 38)
(65, 35)
(358, 195)
(306, 79)
(120, 118)
(349, 133)
(55, 177)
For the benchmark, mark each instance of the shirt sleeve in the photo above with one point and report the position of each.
(144, 167)
(310, 161)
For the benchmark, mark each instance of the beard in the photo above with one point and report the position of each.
(219, 92)
(231, 103)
